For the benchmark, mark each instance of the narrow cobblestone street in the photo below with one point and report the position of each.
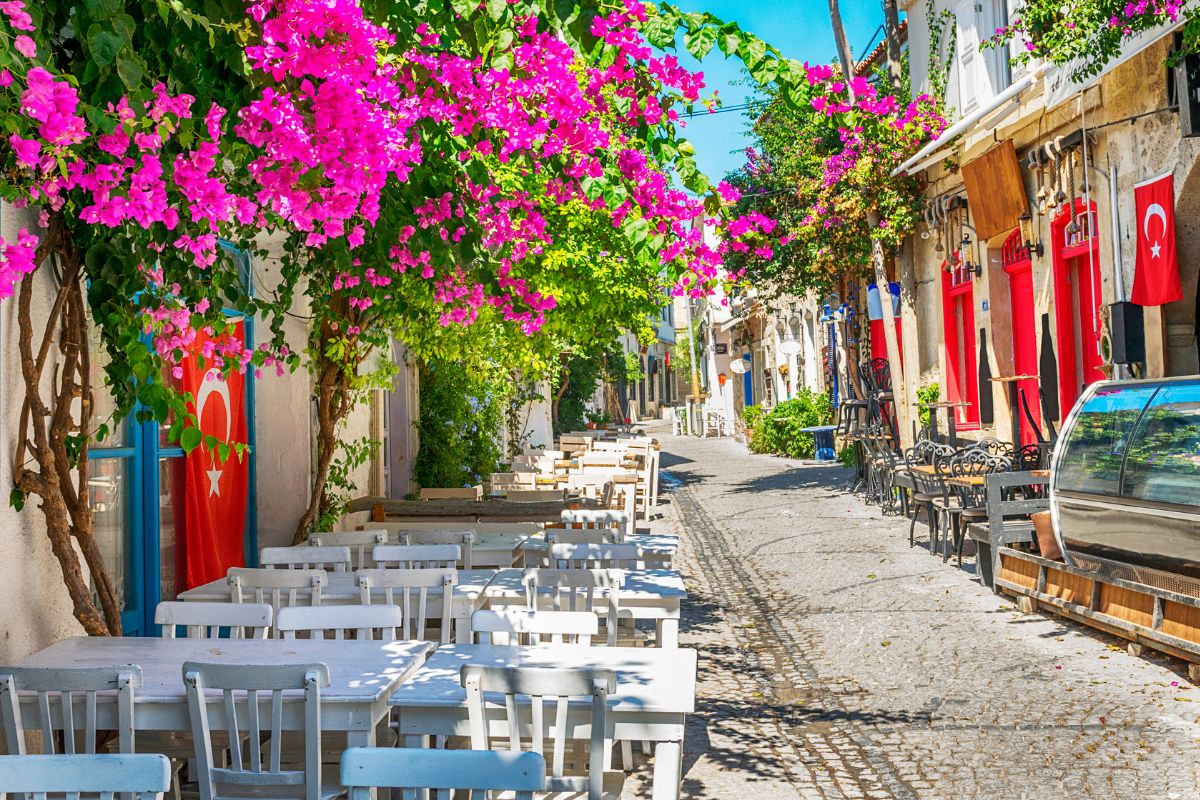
(836, 662)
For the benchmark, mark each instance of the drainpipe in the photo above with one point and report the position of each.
(1120, 371)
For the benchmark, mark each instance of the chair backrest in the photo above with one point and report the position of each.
(241, 685)
(463, 538)
(213, 620)
(359, 542)
(595, 590)
(365, 622)
(145, 777)
(534, 495)
(417, 556)
(278, 588)
(424, 595)
(618, 522)
(335, 559)
(512, 481)
(74, 690)
(596, 556)
(571, 536)
(558, 687)
(453, 493)
(444, 771)
(520, 626)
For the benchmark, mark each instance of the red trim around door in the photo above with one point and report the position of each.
(962, 366)
(1077, 300)
(1019, 267)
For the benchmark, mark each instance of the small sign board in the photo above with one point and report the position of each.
(722, 349)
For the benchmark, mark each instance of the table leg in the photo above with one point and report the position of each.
(667, 633)
(1015, 415)
(952, 424)
(668, 768)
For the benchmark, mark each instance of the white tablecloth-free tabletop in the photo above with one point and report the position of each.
(340, 589)
(646, 594)
(656, 690)
(363, 676)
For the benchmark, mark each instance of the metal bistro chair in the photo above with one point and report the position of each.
(479, 772)
(558, 687)
(929, 486)
(144, 777)
(971, 499)
(249, 686)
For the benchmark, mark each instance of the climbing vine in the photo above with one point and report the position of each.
(941, 54)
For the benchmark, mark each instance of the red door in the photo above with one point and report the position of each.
(1024, 338)
(1077, 301)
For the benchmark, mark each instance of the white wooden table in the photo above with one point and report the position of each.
(655, 594)
(656, 690)
(341, 590)
(363, 677)
(498, 550)
(658, 549)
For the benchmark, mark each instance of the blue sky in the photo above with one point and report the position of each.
(799, 28)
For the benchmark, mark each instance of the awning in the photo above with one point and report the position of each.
(932, 150)
(730, 324)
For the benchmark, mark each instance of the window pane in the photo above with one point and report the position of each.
(108, 496)
(171, 483)
(1164, 457)
(102, 401)
(1095, 445)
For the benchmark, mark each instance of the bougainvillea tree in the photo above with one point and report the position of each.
(1087, 34)
(825, 173)
(144, 136)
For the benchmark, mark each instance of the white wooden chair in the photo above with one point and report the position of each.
(594, 590)
(558, 687)
(444, 771)
(212, 620)
(361, 622)
(248, 686)
(520, 626)
(278, 588)
(334, 559)
(596, 556)
(144, 777)
(570, 536)
(453, 493)
(360, 543)
(409, 590)
(464, 538)
(417, 556)
(67, 701)
(512, 481)
(534, 495)
(619, 522)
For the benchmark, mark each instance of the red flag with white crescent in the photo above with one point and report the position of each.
(1156, 279)
(216, 491)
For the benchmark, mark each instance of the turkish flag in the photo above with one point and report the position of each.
(1156, 279)
(215, 492)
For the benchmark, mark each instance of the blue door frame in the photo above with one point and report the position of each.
(143, 545)
(748, 381)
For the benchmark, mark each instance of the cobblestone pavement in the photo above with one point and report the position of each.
(836, 662)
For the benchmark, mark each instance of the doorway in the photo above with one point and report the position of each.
(1077, 300)
(1019, 268)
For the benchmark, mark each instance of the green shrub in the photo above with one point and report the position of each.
(778, 431)
(929, 393)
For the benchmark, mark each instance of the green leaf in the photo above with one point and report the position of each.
(496, 8)
(660, 31)
(16, 499)
(729, 39)
(752, 50)
(765, 71)
(464, 8)
(131, 70)
(700, 41)
(103, 45)
(190, 439)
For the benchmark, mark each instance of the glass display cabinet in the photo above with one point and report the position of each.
(1125, 483)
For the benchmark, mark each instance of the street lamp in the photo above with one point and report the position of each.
(1026, 222)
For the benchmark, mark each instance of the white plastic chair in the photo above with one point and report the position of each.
(240, 686)
(363, 621)
(104, 776)
(539, 686)
(444, 771)
(335, 559)
(211, 620)
(519, 626)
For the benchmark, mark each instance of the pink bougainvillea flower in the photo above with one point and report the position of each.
(25, 46)
(28, 150)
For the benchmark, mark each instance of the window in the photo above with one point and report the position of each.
(1096, 445)
(958, 322)
(981, 73)
(1163, 464)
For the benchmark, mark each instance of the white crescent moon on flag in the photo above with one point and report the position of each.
(213, 384)
(1155, 210)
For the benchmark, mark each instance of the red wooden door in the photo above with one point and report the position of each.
(1077, 301)
(1024, 338)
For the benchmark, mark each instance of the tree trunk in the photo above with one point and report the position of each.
(334, 402)
(891, 26)
(843, 45)
(558, 396)
(50, 460)
(899, 388)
